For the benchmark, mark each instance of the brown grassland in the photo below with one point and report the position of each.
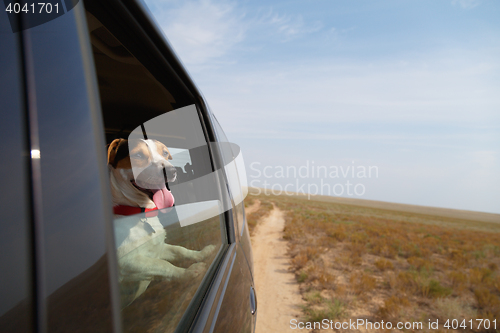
(253, 218)
(359, 262)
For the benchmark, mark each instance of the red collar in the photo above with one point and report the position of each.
(129, 210)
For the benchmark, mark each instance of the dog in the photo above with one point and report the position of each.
(138, 172)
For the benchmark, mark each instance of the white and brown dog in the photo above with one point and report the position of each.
(139, 171)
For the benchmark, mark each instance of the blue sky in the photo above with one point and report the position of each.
(411, 87)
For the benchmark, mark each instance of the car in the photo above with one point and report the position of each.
(70, 86)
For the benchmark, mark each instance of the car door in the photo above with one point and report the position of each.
(16, 262)
(72, 243)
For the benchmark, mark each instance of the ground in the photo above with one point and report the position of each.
(279, 301)
(327, 259)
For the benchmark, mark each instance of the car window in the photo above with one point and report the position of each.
(235, 172)
(169, 223)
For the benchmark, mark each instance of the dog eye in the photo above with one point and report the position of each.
(139, 155)
(165, 153)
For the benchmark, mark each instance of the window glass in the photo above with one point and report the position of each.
(169, 223)
(235, 172)
(181, 159)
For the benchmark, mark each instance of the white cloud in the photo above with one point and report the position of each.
(200, 30)
(204, 32)
(466, 4)
(288, 26)
(278, 97)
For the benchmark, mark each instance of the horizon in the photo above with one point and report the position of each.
(394, 206)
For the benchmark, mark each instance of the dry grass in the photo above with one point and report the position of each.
(389, 264)
(392, 307)
(253, 218)
(383, 264)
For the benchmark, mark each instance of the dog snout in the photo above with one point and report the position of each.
(170, 173)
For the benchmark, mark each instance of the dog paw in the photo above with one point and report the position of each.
(196, 269)
(207, 250)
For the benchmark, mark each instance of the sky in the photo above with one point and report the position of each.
(409, 90)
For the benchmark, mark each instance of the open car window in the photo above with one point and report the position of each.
(167, 191)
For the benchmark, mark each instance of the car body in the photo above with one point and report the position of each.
(68, 87)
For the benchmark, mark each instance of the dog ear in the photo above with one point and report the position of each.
(117, 150)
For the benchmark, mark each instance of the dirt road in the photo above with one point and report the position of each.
(252, 208)
(278, 293)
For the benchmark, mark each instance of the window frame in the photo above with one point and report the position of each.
(134, 28)
(155, 53)
(26, 228)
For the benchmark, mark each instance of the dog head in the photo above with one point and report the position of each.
(139, 172)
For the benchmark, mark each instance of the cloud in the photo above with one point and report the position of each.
(284, 97)
(466, 4)
(205, 32)
(200, 30)
(289, 26)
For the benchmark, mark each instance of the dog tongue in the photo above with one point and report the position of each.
(163, 198)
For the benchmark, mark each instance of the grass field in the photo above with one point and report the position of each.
(381, 264)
